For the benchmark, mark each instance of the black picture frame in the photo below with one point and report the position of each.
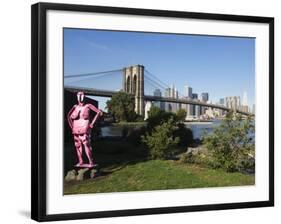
(39, 122)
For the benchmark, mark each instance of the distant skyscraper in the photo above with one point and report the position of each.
(176, 93)
(172, 93)
(197, 111)
(221, 102)
(233, 102)
(194, 96)
(254, 109)
(188, 95)
(245, 99)
(161, 105)
(245, 107)
(157, 92)
(196, 108)
(204, 97)
(167, 92)
(168, 106)
(187, 91)
(175, 106)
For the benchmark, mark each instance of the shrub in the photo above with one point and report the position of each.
(187, 157)
(156, 117)
(161, 141)
(232, 143)
(184, 134)
(197, 156)
(134, 135)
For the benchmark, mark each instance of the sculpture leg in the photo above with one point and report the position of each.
(88, 149)
(78, 146)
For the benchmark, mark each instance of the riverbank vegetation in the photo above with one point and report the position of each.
(165, 133)
(231, 146)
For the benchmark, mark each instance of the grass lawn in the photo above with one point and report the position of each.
(158, 175)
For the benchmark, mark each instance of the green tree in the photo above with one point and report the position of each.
(157, 117)
(122, 107)
(232, 144)
(161, 141)
(181, 115)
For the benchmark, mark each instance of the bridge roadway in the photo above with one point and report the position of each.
(108, 93)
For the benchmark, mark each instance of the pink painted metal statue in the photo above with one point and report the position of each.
(80, 124)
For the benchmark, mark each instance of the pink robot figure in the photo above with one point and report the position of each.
(80, 124)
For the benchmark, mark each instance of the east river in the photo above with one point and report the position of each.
(197, 128)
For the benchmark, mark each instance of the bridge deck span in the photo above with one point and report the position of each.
(108, 93)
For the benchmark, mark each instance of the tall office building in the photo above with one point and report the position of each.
(187, 91)
(221, 102)
(161, 105)
(175, 106)
(167, 92)
(194, 96)
(196, 108)
(176, 94)
(204, 97)
(171, 93)
(188, 95)
(233, 102)
(245, 107)
(168, 106)
(245, 99)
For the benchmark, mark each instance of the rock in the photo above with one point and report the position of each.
(93, 173)
(81, 173)
(195, 150)
(71, 175)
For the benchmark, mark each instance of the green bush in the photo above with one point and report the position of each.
(134, 135)
(232, 144)
(156, 117)
(201, 156)
(186, 157)
(161, 141)
(184, 134)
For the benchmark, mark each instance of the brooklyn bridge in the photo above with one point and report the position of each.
(134, 80)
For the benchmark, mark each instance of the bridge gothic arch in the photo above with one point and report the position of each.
(133, 83)
(128, 82)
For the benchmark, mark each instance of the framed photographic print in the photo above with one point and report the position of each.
(140, 111)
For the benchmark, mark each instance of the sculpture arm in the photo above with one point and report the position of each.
(69, 116)
(98, 113)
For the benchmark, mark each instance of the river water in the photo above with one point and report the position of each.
(197, 128)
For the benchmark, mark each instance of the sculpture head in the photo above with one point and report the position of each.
(80, 97)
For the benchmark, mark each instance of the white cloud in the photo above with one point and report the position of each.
(97, 46)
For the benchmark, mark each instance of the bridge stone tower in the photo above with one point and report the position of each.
(133, 83)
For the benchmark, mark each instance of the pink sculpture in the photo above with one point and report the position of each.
(79, 121)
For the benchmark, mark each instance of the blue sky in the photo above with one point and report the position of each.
(221, 66)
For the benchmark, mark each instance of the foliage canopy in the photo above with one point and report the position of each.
(232, 144)
(122, 107)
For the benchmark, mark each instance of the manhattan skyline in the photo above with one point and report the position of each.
(220, 66)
